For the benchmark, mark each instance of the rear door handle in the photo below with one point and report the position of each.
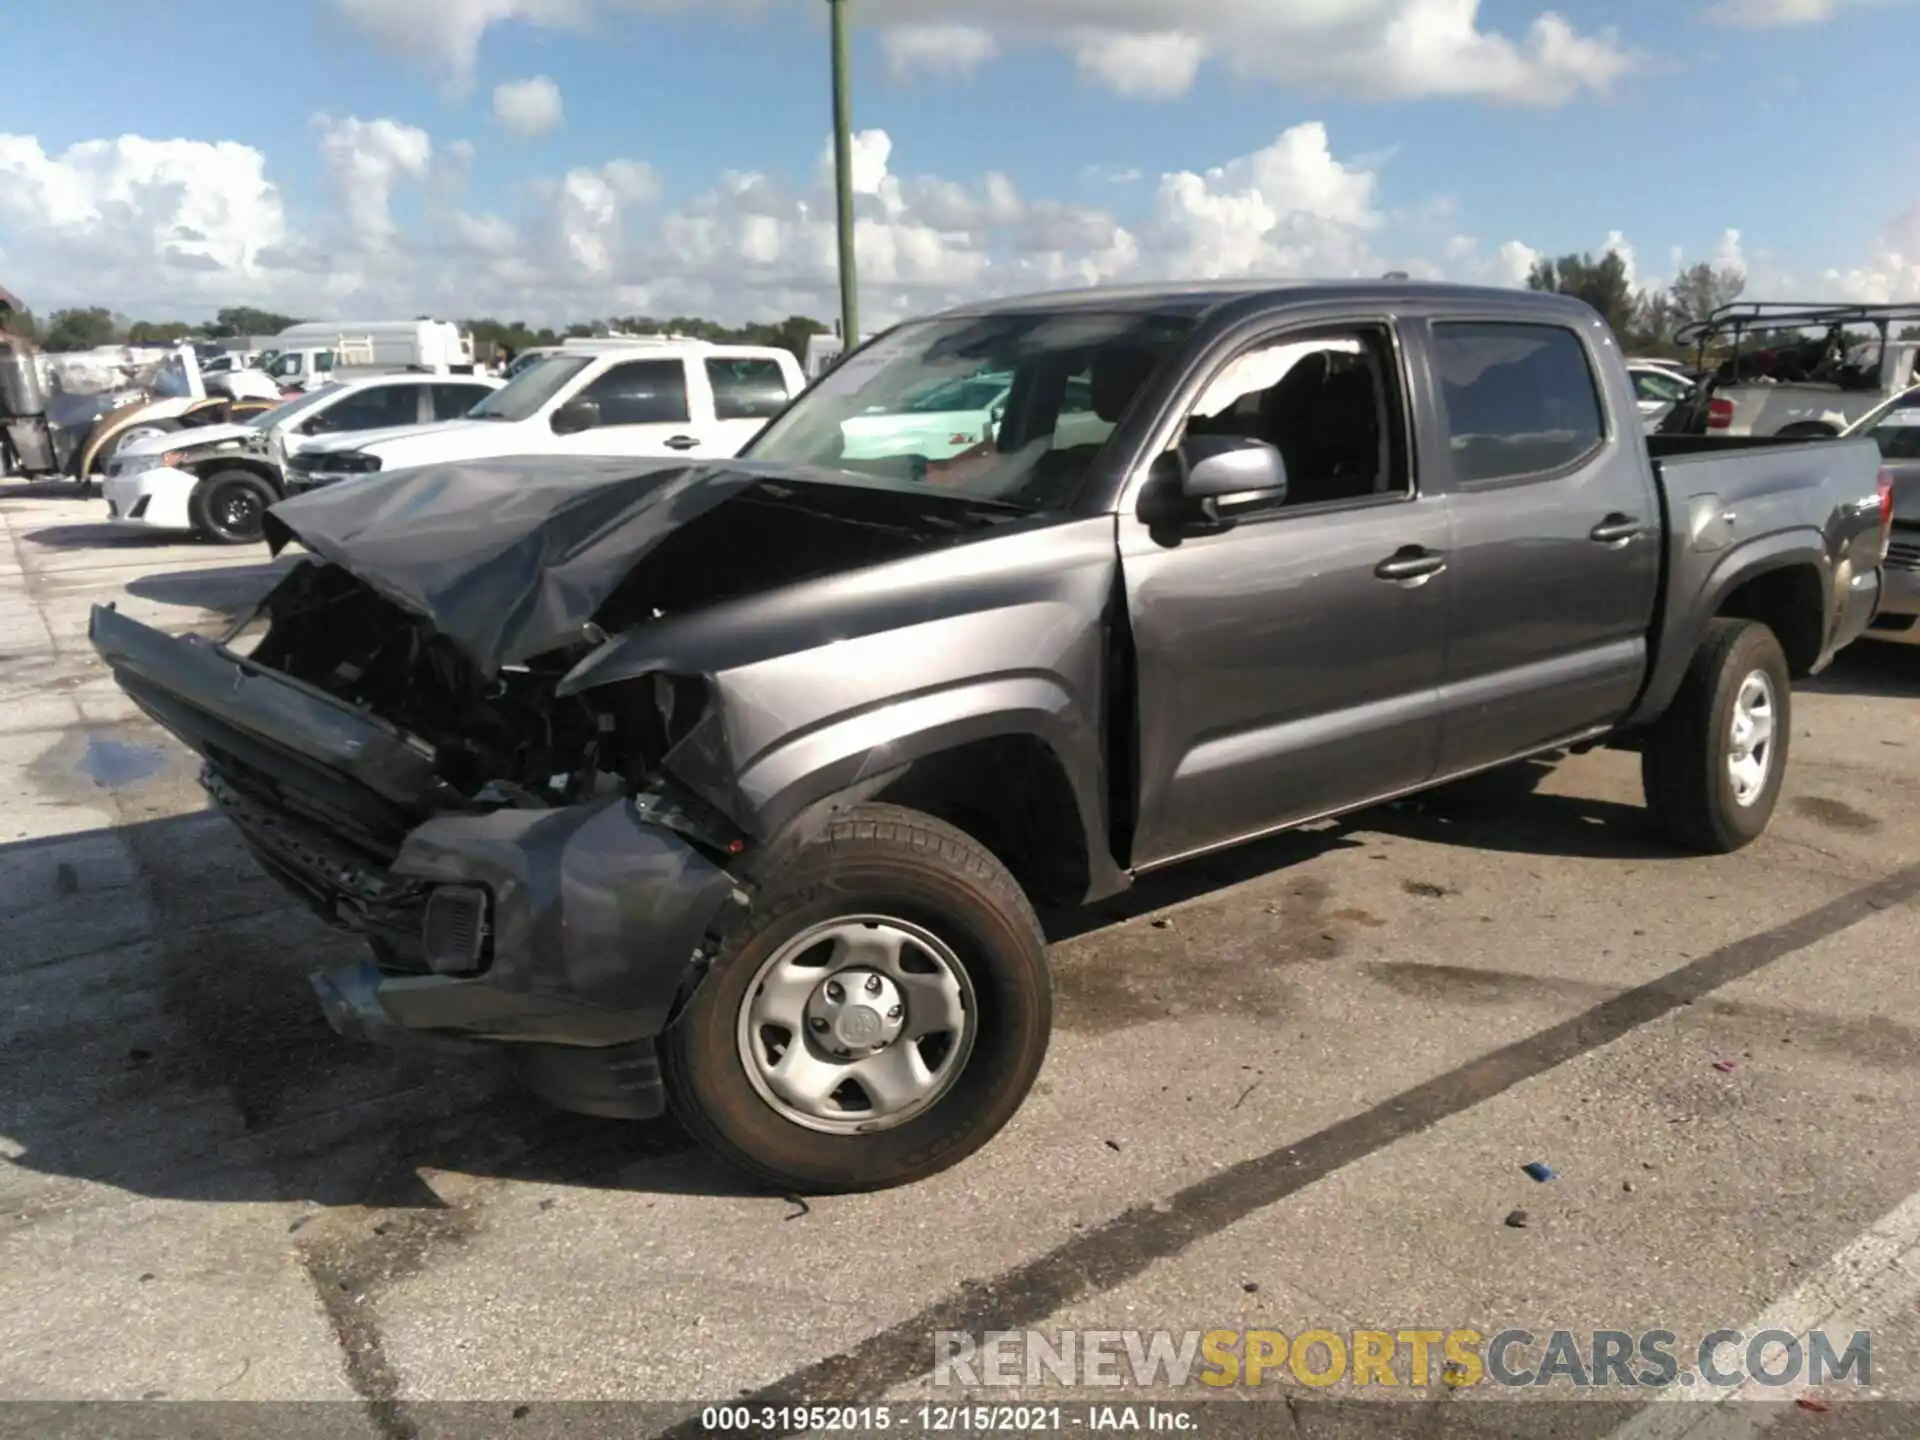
(1411, 565)
(1615, 530)
(682, 442)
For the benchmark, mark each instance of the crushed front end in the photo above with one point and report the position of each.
(520, 866)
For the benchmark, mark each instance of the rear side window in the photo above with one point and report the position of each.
(450, 402)
(747, 389)
(1520, 400)
(641, 392)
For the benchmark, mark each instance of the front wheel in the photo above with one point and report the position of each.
(879, 1019)
(1712, 766)
(230, 507)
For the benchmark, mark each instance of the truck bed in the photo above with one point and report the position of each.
(1725, 497)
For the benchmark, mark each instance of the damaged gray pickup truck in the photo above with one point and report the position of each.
(736, 787)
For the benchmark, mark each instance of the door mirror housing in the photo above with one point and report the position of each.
(1214, 467)
(575, 416)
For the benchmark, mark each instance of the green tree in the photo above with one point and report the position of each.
(1602, 283)
(19, 322)
(158, 332)
(80, 329)
(245, 320)
(1701, 289)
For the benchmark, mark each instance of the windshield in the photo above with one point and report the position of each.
(522, 397)
(1011, 407)
(293, 409)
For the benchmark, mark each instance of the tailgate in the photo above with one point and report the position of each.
(316, 753)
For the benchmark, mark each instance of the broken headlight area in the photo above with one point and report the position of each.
(507, 740)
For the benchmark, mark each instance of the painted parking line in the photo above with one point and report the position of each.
(1868, 1282)
(1108, 1255)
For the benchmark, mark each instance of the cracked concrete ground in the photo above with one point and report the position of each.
(1292, 1087)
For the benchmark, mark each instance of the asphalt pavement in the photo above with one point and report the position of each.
(1293, 1088)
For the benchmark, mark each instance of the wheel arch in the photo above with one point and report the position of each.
(1784, 581)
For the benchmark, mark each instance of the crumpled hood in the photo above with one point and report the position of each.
(506, 558)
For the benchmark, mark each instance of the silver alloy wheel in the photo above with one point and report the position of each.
(1750, 738)
(857, 1024)
(139, 432)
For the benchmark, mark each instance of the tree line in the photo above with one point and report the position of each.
(91, 327)
(1645, 321)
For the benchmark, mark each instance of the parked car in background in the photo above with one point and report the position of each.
(217, 481)
(737, 786)
(307, 354)
(1657, 388)
(1895, 428)
(669, 398)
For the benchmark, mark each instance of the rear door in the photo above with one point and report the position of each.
(746, 391)
(1556, 532)
(646, 408)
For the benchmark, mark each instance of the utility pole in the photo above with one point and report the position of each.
(843, 181)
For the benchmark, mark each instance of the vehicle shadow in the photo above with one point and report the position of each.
(1503, 810)
(1870, 668)
(101, 536)
(157, 1034)
(230, 590)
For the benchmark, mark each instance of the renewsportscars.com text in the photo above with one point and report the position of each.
(1610, 1359)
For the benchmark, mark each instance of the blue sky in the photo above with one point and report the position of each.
(1791, 133)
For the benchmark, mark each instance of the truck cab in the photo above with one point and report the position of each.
(614, 397)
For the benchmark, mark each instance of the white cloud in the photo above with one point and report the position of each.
(446, 33)
(1378, 49)
(1764, 14)
(169, 226)
(366, 160)
(950, 50)
(529, 108)
(1141, 66)
(177, 228)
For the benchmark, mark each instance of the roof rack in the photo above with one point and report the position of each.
(1747, 315)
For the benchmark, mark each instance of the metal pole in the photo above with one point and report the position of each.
(843, 180)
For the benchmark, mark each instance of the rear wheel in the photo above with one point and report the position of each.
(1712, 766)
(880, 1019)
(230, 506)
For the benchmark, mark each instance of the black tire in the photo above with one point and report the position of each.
(1684, 761)
(230, 507)
(888, 861)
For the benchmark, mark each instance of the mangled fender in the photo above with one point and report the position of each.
(817, 687)
(595, 914)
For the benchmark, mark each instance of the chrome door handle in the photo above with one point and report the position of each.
(1411, 566)
(1615, 530)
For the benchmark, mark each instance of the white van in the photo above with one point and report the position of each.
(680, 398)
(309, 353)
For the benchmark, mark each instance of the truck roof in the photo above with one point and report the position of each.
(1202, 297)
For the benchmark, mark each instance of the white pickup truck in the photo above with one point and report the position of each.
(1798, 370)
(664, 398)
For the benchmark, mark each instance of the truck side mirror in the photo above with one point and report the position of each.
(1211, 480)
(1221, 467)
(575, 416)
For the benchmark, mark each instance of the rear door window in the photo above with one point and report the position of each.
(1520, 400)
(450, 402)
(747, 389)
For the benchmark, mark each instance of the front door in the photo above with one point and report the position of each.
(1556, 536)
(645, 410)
(1288, 666)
